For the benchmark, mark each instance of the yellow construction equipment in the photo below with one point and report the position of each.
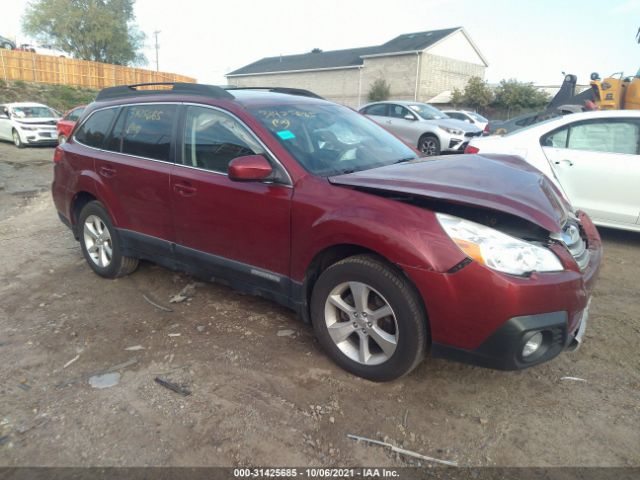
(616, 92)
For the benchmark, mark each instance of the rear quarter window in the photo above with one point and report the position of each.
(145, 131)
(93, 132)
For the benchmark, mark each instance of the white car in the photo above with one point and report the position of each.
(594, 157)
(43, 50)
(469, 117)
(28, 124)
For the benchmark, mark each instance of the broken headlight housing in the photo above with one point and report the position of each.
(498, 250)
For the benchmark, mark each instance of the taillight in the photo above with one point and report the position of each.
(486, 129)
(58, 155)
(471, 149)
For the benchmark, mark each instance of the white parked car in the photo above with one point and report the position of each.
(43, 50)
(473, 118)
(594, 157)
(422, 126)
(28, 124)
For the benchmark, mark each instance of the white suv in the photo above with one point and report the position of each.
(28, 124)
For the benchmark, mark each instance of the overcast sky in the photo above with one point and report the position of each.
(528, 40)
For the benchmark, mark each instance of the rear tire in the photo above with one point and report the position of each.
(380, 337)
(101, 244)
(429, 145)
(17, 141)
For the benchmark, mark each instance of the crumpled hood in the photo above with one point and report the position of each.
(498, 182)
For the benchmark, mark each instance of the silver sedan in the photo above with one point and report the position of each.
(422, 126)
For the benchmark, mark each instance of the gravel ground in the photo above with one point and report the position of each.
(262, 391)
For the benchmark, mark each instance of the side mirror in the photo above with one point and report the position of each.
(250, 168)
(409, 117)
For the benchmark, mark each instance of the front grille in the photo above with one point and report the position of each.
(573, 238)
(473, 134)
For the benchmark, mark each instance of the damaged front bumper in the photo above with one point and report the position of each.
(485, 318)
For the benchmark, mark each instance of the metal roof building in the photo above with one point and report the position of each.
(417, 66)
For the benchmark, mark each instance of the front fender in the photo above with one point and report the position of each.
(404, 234)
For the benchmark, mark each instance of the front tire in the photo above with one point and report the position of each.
(101, 244)
(429, 145)
(369, 318)
(17, 141)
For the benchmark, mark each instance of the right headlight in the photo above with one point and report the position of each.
(452, 131)
(497, 250)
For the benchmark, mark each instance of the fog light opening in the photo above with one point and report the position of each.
(532, 345)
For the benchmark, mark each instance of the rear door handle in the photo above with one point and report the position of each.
(565, 161)
(185, 190)
(107, 172)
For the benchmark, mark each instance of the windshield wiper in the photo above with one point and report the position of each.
(408, 159)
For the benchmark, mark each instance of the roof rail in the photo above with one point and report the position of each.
(290, 91)
(123, 91)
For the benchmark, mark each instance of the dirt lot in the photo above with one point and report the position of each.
(260, 398)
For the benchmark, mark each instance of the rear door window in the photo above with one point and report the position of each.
(145, 131)
(605, 136)
(94, 131)
(609, 136)
(379, 110)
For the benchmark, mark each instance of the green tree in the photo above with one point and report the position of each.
(457, 98)
(98, 30)
(511, 94)
(477, 94)
(380, 90)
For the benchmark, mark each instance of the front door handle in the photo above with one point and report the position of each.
(185, 190)
(107, 171)
(565, 161)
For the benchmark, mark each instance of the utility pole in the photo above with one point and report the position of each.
(157, 48)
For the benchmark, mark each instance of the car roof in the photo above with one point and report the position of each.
(242, 96)
(602, 114)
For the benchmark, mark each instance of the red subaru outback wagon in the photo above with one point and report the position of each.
(279, 193)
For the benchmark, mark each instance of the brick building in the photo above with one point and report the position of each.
(417, 66)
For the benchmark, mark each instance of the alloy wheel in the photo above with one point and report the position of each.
(97, 241)
(361, 323)
(429, 146)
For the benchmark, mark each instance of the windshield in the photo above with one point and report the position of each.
(33, 112)
(329, 139)
(478, 117)
(427, 111)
